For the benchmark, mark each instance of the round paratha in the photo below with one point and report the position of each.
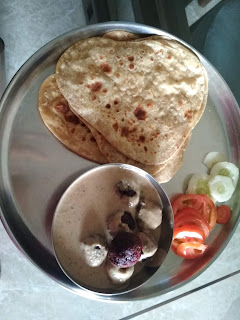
(120, 35)
(173, 165)
(143, 96)
(115, 156)
(64, 124)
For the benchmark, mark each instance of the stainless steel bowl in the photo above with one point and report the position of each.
(149, 267)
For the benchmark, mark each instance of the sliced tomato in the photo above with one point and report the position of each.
(223, 214)
(174, 249)
(175, 196)
(187, 233)
(189, 200)
(191, 250)
(190, 216)
(211, 211)
(202, 203)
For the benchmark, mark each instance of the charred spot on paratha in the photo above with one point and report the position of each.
(140, 113)
(72, 118)
(164, 84)
(64, 124)
(62, 108)
(106, 67)
(96, 86)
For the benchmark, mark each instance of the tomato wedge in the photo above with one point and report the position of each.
(191, 250)
(190, 216)
(211, 211)
(187, 233)
(223, 214)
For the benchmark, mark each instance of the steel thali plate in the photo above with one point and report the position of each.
(36, 168)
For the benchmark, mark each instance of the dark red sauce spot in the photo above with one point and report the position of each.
(108, 106)
(131, 58)
(131, 66)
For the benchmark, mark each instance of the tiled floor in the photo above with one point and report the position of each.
(25, 292)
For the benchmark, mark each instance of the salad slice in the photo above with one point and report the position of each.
(226, 169)
(190, 216)
(188, 233)
(221, 188)
(212, 158)
(223, 214)
(198, 184)
(191, 250)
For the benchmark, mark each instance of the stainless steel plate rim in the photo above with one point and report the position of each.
(18, 87)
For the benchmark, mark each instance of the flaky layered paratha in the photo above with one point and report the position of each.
(64, 124)
(143, 96)
(173, 165)
(120, 35)
(114, 156)
(162, 173)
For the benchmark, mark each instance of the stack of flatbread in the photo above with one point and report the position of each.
(123, 99)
